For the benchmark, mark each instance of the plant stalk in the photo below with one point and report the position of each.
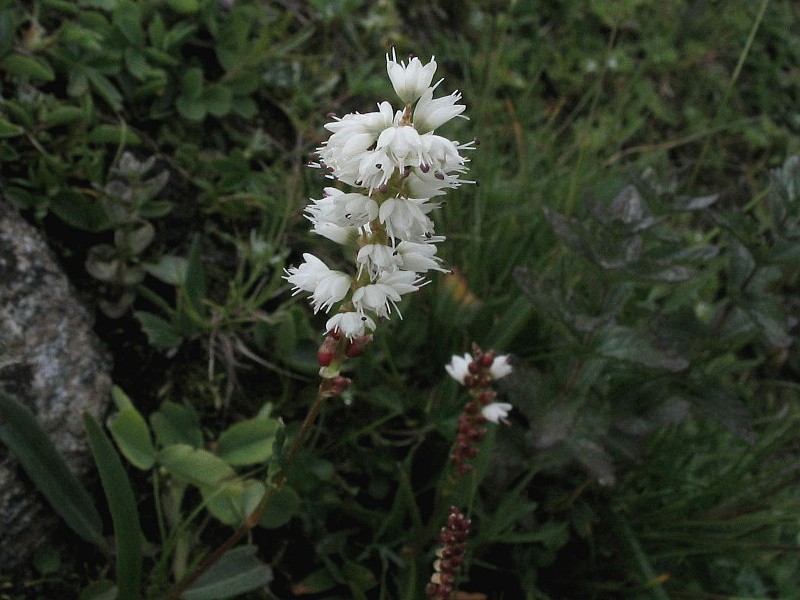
(254, 518)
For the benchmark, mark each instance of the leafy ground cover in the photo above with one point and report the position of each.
(633, 243)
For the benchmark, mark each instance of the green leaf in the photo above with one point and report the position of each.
(237, 572)
(105, 88)
(624, 343)
(79, 210)
(63, 115)
(192, 292)
(131, 433)
(317, 582)
(99, 590)
(134, 241)
(742, 266)
(176, 424)
(132, 436)
(179, 34)
(28, 66)
(21, 112)
(113, 134)
(192, 109)
(8, 129)
(47, 560)
(245, 107)
(248, 442)
(136, 63)
(359, 578)
(23, 435)
(184, 7)
(128, 19)
(170, 269)
(283, 505)
(156, 30)
(122, 505)
(192, 83)
(228, 502)
(217, 100)
(155, 209)
(196, 466)
(9, 19)
(160, 333)
(101, 4)
(160, 57)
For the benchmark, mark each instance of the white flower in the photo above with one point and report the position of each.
(376, 258)
(430, 114)
(306, 277)
(352, 137)
(374, 169)
(400, 164)
(458, 367)
(402, 145)
(344, 210)
(418, 257)
(406, 218)
(501, 366)
(381, 296)
(351, 324)
(335, 233)
(326, 285)
(410, 81)
(330, 290)
(442, 154)
(430, 184)
(496, 411)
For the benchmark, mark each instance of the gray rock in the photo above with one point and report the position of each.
(51, 361)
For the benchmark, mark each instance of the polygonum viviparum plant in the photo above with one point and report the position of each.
(396, 167)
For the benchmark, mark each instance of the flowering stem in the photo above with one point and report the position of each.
(325, 390)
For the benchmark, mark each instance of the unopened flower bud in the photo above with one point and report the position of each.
(487, 359)
(328, 349)
(355, 347)
(340, 384)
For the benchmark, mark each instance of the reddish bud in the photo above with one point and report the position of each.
(355, 347)
(328, 349)
(487, 359)
(340, 384)
(487, 397)
(463, 469)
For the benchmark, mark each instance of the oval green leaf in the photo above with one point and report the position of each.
(248, 442)
(283, 505)
(184, 7)
(28, 66)
(176, 424)
(237, 572)
(8, 129)
(198, 467)
(132, 436)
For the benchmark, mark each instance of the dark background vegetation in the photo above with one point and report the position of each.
(633, 243)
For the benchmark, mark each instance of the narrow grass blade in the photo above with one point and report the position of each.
(122, 506)
(20, 431)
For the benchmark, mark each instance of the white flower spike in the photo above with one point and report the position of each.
(396, 165)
